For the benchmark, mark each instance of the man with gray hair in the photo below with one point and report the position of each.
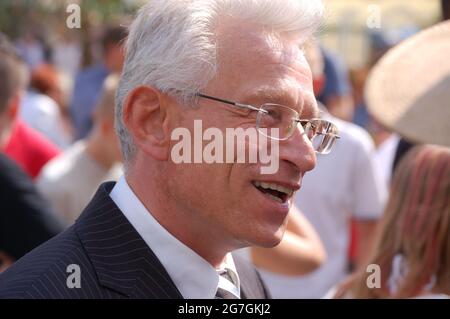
(167, 229)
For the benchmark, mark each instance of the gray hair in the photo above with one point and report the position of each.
(171, 47)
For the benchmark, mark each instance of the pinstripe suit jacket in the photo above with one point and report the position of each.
(114, 262)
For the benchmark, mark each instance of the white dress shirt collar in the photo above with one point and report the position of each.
(194, 277)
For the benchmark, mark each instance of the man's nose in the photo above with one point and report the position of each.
(298, 151)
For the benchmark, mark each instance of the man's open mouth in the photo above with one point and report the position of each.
(275, 191)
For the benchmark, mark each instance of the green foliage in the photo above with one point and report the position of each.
(19, 16)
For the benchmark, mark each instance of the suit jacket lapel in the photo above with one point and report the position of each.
(122, 260)
(252, 286)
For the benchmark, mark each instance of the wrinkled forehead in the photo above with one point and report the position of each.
(245, 41)
(251, 59)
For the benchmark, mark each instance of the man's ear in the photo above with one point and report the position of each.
(146, 117)
(13, 106)
(8, 118)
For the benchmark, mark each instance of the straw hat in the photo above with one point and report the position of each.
(408, 90)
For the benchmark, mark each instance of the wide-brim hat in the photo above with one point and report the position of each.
(408, 90)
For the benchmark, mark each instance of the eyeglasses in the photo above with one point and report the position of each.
(321, 133)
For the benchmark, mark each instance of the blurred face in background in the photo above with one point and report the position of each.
(104, 120)
(114, 57)
(4, 130)
(7, 118)
(315, 60)
(48, 80)
(12, 83)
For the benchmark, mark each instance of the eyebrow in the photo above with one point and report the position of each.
(269, 95)
(311, 107)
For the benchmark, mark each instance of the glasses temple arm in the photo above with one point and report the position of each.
(246, 106)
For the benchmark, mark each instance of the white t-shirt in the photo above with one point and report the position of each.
(343, 185)
(384, 157)
(70, 180)
(42, 113)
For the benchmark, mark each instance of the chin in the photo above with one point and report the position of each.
(268, 239)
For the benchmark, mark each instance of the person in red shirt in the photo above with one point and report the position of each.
(26, 218)
(28, 148)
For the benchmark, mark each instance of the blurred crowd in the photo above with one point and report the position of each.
(357, 207)
(57, 135)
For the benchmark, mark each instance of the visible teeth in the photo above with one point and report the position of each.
(275, 198)
(275, 187)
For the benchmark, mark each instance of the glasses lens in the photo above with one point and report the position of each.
(325, 136)
(309, 129)
(276, 121)
(279, 122)
(323, 144)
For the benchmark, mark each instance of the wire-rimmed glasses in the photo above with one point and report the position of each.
(284, 120)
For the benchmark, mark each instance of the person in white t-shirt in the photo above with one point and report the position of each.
(344, 185)
(43, 114)
(70, 180)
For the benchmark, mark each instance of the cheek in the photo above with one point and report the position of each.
(205, 186)
(240, 183)
(217, 186)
